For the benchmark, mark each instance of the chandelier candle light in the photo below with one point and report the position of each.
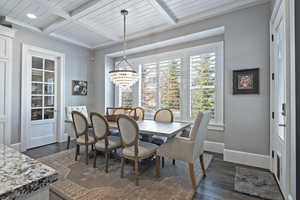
(124, 77)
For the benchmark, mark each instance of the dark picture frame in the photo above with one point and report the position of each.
(79, 88)
(246, 81)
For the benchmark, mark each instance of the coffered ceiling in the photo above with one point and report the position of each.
(96, 23)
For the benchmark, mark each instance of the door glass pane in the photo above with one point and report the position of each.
(37, 63)
(49, 101)
(49, 89)
(49, 77)
(37, 76)
(36, 101)
(49, 65)
(49, 113)
(37, 88)
(36, 114)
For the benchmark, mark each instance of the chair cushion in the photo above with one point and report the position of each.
(81, 140)
(145, 149)
(113, 142)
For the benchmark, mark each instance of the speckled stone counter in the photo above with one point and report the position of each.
(21, 176)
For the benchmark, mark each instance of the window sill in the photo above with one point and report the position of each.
(216, 127)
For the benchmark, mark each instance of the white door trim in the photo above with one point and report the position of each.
(60, 97)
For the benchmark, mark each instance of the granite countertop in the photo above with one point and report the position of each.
(21, 175)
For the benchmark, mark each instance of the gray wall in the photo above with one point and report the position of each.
(78, 67)
(246, 40)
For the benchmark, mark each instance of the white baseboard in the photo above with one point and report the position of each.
(250, 159)
(215, 147)
(16, 146)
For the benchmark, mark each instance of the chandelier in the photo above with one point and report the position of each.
(123, 75)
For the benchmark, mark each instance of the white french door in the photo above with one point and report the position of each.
(279, 101)
(42, 106)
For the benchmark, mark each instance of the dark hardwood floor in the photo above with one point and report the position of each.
(218, 185)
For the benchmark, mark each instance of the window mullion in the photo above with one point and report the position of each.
(157, 85)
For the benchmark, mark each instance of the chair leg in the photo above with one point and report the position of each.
(192, 175)
(136, 167)
(173, 162)
(106, 161)
(162, 162)
(95, 158)
(77, 151)
(202, 165)
(87, 154)
(122, 167)
(157, 159)
(69, 142)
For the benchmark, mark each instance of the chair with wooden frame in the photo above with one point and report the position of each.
(189, 149)
(132, 148)
(138, 113)
(104, 142)
(81, 127)
(164, 115)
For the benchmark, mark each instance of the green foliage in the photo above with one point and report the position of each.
(203, 90)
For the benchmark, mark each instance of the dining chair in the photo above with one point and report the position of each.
(68, 121)
(81, 127)
(191, 148)
(103, 142)
(119, 111)
(139, 112)
(166, 116)
(132, 147)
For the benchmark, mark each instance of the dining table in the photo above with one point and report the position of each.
(151, 127)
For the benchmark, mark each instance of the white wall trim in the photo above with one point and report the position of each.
(245, 158)
(215, 147)
(16, 146)
(61, 97)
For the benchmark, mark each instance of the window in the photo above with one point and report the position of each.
(127, 97)
(148, 87)
(203, 83)
(186, 81)
(169, 84)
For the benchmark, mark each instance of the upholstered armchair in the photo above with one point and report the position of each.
(189, 149)
(81, 128)
(69, 122)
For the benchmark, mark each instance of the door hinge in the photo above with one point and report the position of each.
(273, 115)
(273, 76)
(273, 154)
(272, 37)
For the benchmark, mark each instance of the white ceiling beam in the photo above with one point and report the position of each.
(67, 39)
(57, 11)
(163, 9)
(19, 23)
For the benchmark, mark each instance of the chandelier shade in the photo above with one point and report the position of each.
(124, 77)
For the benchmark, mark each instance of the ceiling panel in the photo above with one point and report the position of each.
(76, 32)
(142, 16)
(182, 9)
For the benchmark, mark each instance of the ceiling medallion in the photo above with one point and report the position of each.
(123, 75)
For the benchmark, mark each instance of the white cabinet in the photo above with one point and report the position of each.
(6, 39)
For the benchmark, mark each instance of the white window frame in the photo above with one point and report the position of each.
(185, 97)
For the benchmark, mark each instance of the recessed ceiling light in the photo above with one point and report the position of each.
(31, 16)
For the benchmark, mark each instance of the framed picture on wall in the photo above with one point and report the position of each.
(246, 81)
(79, 88)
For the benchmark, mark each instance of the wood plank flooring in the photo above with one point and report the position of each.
(218, 185)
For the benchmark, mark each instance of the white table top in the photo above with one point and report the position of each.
(151, 127)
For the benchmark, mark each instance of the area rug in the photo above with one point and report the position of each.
(256, 182)
(79, 181)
